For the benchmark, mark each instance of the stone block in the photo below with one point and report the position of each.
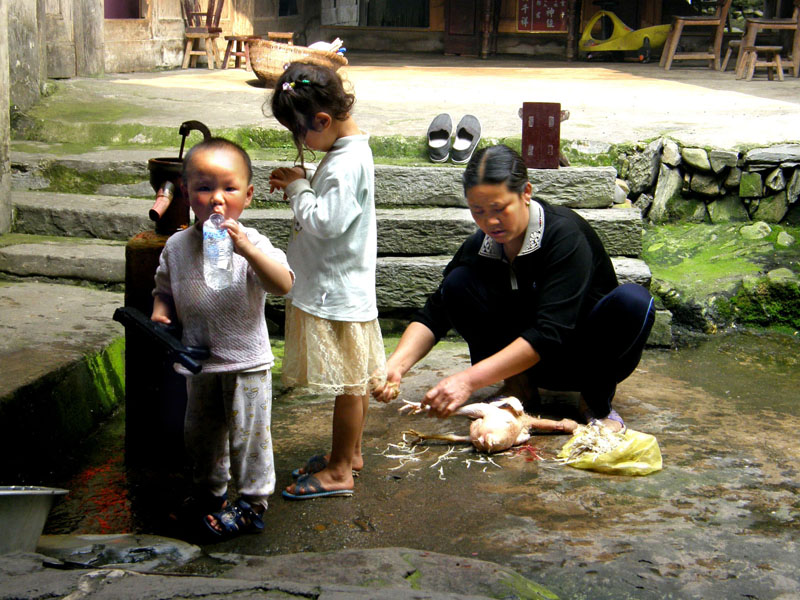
(671, 154)
(771, 209)
(785, 240)
(620, 230)
(576, 187)
(720, 159)
(785, 155)
(775, 180)
(793, 188)
(668, 203)
(668, 191)
(696, 158)
(661, 333)
(733, 178)
(705, 184)
(726, 210)
(750, 185)
(643, 167)
(756, 231)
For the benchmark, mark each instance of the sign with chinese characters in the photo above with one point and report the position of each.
(542, 16)
(541, 134)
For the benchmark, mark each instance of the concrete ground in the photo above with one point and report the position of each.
(721, 519)
(400, 94)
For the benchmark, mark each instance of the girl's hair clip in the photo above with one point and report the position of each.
(289, 85)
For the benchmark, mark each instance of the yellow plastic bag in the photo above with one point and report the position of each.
(637, 454)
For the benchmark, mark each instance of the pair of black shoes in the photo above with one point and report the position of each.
(459, 151)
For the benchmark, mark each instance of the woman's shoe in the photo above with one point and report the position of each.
(439, 132)
(468, 134)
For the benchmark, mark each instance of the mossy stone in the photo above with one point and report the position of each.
(696, 158)
(750, 185)
(727, 209)
(756, 231)
(772, 208)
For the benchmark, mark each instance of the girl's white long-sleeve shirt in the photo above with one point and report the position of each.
(334, 246)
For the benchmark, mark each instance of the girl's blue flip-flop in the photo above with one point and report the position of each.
(308, 487)
(313, 465)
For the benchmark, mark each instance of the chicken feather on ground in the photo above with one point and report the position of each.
(497, 425)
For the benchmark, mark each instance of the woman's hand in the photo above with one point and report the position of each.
(283, 176)
(447, 395)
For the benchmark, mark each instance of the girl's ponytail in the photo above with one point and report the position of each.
(302, 91)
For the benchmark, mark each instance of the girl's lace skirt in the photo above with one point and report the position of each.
(332, 357)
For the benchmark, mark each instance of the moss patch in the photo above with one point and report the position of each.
(76, 399)
(712, 273)
(762, 303)
(64, 179)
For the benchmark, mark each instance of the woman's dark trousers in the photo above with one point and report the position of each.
(603, 352)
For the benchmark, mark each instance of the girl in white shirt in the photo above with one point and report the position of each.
(333, 340)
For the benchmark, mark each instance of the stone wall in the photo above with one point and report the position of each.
(670, 183)
(5, 126)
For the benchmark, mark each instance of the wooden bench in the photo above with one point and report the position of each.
(284, 37)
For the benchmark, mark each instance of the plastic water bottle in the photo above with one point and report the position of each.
(217, 253)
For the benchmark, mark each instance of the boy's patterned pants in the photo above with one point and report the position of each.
(227, 432)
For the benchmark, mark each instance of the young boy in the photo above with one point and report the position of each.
(227, 425)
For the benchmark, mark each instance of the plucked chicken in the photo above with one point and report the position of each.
(497, 425)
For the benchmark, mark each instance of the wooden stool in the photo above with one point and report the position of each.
(731, 45)
(284, 37)
(239, 47)
(772, 60)
(191, 53)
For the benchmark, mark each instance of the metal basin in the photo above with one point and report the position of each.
(23, 512)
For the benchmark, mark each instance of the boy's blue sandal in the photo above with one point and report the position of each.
(439, 132)
(197, 506)
(308, 487)
(235, 519)
(468, 134)
(314, 464)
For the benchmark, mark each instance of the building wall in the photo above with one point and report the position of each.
(26, 52)
(155, 41)
(5, 129)
(74, 33)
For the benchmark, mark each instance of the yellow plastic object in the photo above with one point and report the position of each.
(637, 454)
(622, 38)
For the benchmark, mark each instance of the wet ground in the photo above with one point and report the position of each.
(722, 520)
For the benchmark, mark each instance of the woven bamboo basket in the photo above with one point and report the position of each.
(269, 59)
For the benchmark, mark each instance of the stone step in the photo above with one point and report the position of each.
(577, 187)
(401, 231)
(63, 373)
(97, 261)
(402, 282)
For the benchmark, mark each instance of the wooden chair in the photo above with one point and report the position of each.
(754, 26)
(201, 25)
(718, 21)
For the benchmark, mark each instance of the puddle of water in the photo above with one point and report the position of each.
(756, 371)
